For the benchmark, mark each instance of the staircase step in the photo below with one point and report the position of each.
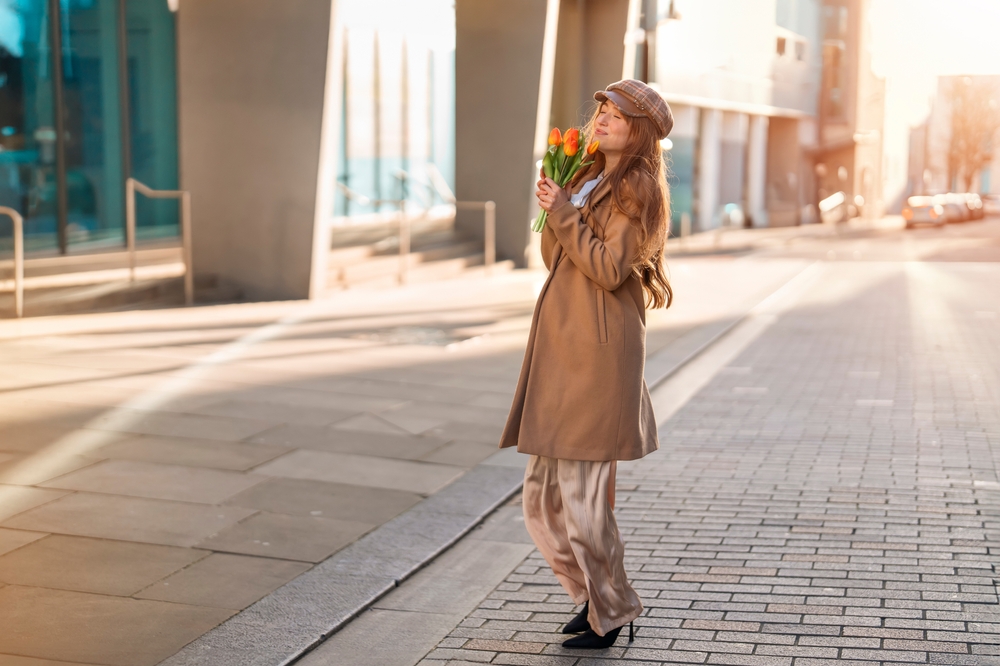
(388, 265)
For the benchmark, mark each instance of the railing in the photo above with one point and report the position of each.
(131, 187)
(18, 258)
(440, 185)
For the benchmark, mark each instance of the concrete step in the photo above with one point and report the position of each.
(378, 266)
(117, 295)
(42, 265)
(445, 269)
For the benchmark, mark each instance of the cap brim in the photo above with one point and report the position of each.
(624, 104)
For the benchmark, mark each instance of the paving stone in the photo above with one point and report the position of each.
(223, 581)
(119, 631)
(191, 452)
(93, 565)
(307, 539)
(303, 497)
(417, 477)
(13, 539)
(381, 445)
(157, 481)
(129, 519)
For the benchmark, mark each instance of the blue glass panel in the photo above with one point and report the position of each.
(27, 137)
(152, 80)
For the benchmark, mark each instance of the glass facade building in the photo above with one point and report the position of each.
(87, 98)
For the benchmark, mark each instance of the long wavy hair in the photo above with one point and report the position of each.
(639, 190)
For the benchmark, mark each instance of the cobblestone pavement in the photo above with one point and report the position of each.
(830, 496)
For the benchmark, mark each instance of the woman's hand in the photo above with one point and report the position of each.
(550, 195)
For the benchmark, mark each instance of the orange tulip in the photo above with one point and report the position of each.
(572, 135)
(571, 147)
(555, 137)
(592, 148)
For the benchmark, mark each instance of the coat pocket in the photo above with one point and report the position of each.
(602, 322)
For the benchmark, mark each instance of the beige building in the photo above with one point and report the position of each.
(852, 109)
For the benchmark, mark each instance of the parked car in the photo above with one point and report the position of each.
(834, 209)
(991, 204)
(975, 204)
(953, 210)
(923, 210)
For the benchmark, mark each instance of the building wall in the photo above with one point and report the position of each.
(501, 79)
(251, 81)
(588, 57)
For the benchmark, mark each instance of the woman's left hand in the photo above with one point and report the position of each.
(550, 195)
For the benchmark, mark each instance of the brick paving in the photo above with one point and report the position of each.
(830, 496)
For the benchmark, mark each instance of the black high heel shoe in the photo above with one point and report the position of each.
(591, 641)
(578, 624)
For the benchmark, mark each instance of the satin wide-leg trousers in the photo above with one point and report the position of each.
(569, 514)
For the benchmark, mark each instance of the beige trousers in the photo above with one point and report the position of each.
(568, 512)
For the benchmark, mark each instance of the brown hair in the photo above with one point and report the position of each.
(639, 190)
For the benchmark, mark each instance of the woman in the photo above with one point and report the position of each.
(581, 403)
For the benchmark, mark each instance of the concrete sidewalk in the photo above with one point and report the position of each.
(831, 496)
(161, 471)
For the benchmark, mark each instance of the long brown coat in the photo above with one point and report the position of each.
(581, 394)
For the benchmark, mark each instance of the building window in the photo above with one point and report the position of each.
(781, 46)
(834, 78)
(835, 19)
(800, 51)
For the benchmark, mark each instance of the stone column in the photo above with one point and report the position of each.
(251, 88)
(757, 171)
(709, 163)
(504, 63)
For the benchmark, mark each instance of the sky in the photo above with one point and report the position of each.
(914, 42)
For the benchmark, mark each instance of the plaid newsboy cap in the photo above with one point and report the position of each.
(635, 98)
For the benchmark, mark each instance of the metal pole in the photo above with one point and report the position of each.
(345, 113)
(490, 234)
(55, 55)
(130, 226)
(18, 258)
(125, 130)
(377, 122)
(404, 114)
(404, 241)
(187, 244)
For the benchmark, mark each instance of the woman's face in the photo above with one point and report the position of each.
(611, 128)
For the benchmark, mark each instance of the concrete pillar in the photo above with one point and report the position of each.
(732, 165)
(709, 168)
(757, 171)
(252, 81)
(504, 63)
(589, 56)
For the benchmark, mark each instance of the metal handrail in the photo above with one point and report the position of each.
(440, 185)
(18, 258)
(131, 187)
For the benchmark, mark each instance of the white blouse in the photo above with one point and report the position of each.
(580, 198)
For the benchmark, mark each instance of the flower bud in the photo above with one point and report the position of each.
(592, 148)
(571, 146)
(555, 137)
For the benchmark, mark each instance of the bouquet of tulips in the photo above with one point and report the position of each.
(561, 162)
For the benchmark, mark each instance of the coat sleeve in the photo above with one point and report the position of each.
(607, 262)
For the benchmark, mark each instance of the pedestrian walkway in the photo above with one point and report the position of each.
(161, 471)
(830, 496)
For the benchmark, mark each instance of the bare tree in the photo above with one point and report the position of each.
(975, 122)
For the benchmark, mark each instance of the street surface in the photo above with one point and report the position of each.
(831, 493)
